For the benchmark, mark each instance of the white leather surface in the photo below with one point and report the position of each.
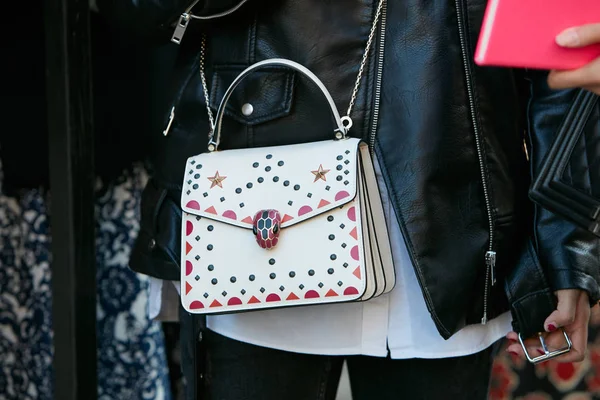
(301, 199)
(218, 280)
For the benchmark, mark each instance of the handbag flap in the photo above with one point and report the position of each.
(300, 181)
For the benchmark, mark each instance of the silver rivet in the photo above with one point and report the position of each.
(152, 244)
(247, 109)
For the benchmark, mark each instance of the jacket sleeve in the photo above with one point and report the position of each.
(155, 19)
(569, 255)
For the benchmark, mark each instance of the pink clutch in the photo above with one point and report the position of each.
(521, 33)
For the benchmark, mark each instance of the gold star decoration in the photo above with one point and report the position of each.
(320, 173)
(217, 180)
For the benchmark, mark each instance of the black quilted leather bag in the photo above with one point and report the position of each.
(569, 181)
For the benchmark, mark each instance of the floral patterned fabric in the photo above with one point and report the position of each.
(513, 378)
(131, 354)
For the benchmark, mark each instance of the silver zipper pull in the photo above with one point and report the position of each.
(490, 278)
(180, 28)
(171, 118)
(490, 261)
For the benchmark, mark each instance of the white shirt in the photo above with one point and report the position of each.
(398, 321)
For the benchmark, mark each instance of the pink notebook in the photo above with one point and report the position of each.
(521, 33)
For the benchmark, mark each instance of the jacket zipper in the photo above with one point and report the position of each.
(490, 255)
(187, 15)
(179, 31)
(182, 23)
(379, 78)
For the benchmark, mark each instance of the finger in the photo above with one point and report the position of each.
(513, 345)
(579, 36)
(515, 350)
(577, 332)
(553, 341)
(533, 351)
(513, 337)
(588, 75)
(565, 310)
(578, 347)
(532, 345)
(577, 354)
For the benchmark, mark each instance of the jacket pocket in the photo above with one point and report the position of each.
(263, 96)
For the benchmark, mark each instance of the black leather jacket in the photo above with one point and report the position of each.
(452, 138)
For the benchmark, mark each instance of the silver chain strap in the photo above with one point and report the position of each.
(346, 120)
(204, 86)
(365, 57)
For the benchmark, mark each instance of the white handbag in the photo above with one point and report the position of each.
(282, 226)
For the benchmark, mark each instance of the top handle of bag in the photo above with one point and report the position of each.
(343, 124)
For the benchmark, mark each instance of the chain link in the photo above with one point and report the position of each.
(204, 86)
(356, 84)
(365, 57)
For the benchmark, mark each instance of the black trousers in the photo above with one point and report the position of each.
(227, 369)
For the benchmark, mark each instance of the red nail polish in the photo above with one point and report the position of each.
(541, 352)
(551, 327)
(514, 353)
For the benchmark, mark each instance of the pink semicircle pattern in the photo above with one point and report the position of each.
(351, 290)
(273, 297)
(354, 253)
(304, 210)
(193, 204)
(230, 214)
(234, 301)
(188, 267)
(341, 195)
(311, 294)
(196, 305)
(352, 214)
(189, 227)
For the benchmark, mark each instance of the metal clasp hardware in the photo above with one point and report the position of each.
(266, 227)
(171, 118)
(490, 260)
(180, 28)
(547, 353)
(347, 124)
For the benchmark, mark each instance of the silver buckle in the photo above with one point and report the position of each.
(548, 354)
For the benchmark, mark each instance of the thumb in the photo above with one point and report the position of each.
(579, 36)
(565, 310)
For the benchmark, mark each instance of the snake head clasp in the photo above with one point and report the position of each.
(266, 227)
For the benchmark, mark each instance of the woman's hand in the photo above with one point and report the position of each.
(588, 76)
(573, 315)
